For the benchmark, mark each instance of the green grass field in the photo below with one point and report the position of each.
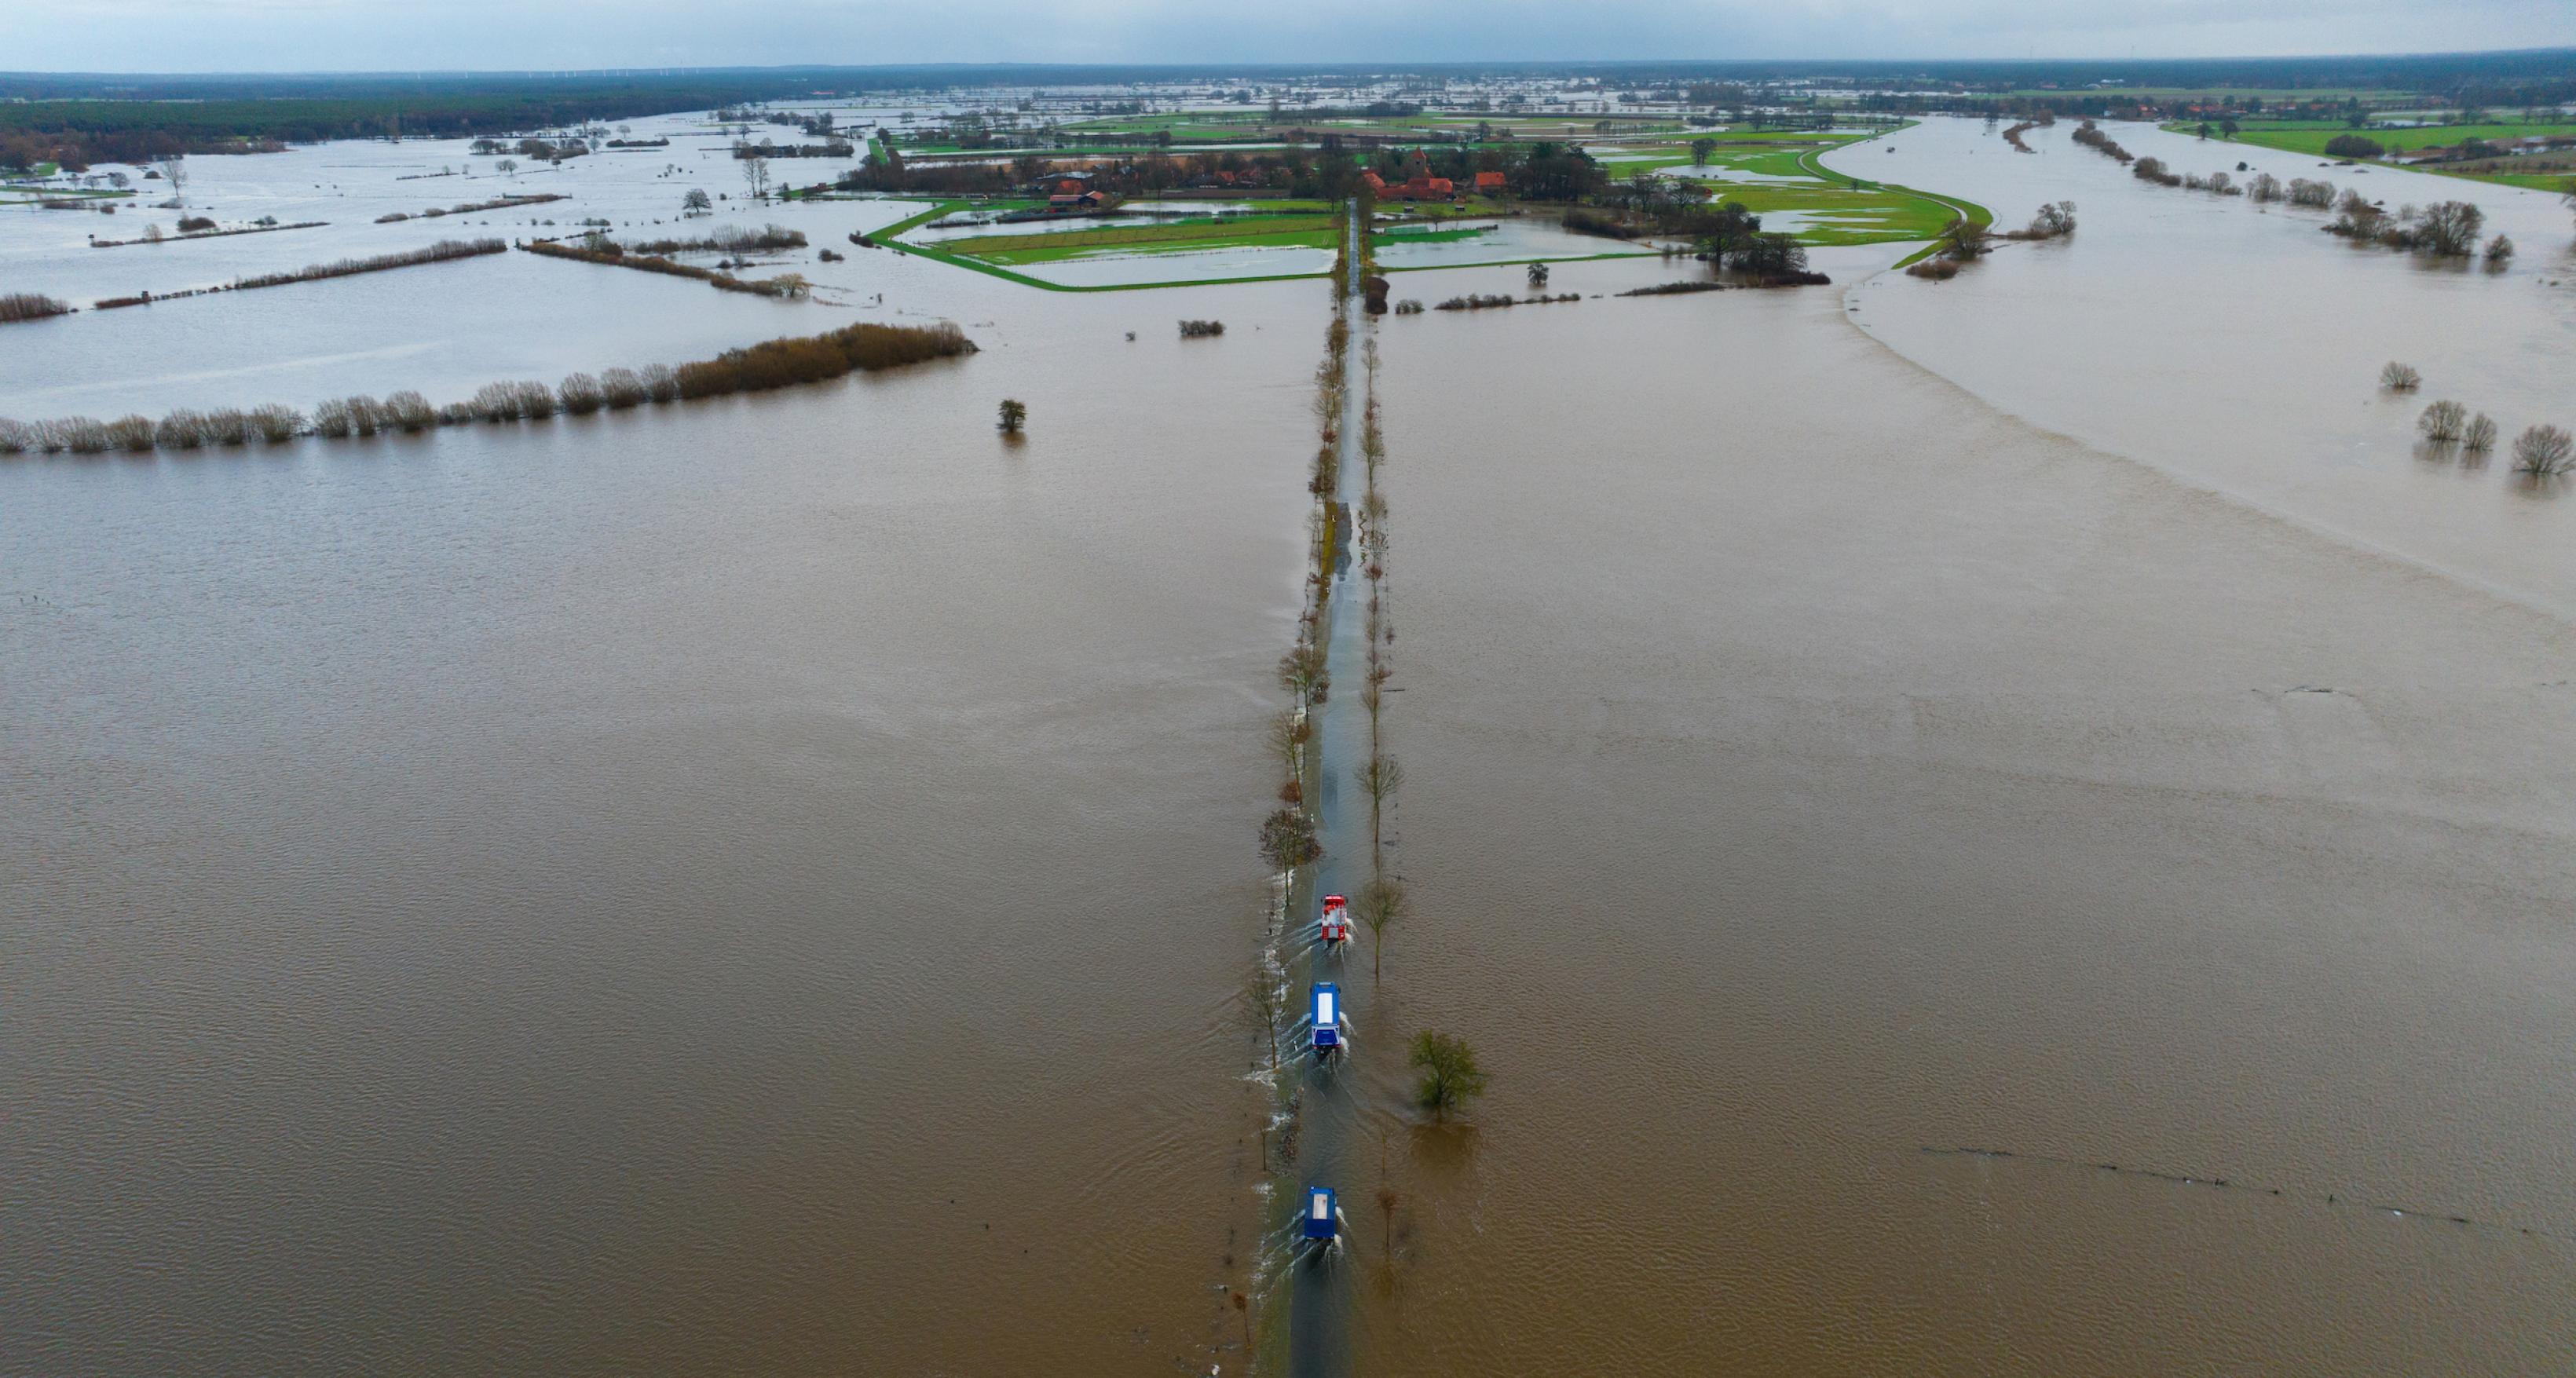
(1833, 209)
(2311, 137)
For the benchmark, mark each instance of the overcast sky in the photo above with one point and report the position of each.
(382, 35)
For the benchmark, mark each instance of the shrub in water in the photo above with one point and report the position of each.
(180, 430)
(536, 400)
(2397, 377)
(227, 426)
(81, 435)
(409, 411)
(277, 422)
(580, 394)
(16, 437)
(2481, 433)
(332, 419)
(497, 402)
(2543, 452)
(662, 382)
(2443, 421)
(620, 387)
(131, 433)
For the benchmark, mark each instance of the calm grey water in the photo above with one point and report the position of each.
(766, 885)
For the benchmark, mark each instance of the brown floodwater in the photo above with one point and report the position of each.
(760, 886)
(1809, 766)
(767, 885)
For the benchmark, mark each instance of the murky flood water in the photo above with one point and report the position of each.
(1809, 766)
(2239, 346)
(750, 886)
(767, 885)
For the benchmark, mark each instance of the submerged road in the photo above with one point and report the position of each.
(1319, 1290)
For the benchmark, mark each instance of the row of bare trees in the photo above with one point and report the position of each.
(771, 364)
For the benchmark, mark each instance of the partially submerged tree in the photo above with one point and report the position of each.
(1014, 415)
(1288, 840)
(2480, 436)
(2397, 377)
(1537, 276)
(1702, 150)
(1379, 777)
(1383, 904)
(696, 203)
(2544, 452)
(1450, 1075)
(1965, 241)
(2443, 421)
(2449, 229)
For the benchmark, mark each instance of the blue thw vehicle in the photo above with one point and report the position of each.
(1332, 1029)
(1321, 1223)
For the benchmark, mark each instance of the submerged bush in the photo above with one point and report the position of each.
(2263, 187)
(131, 433)
(81, 435)
(662, 381)
(227, 426)
(2544, 452)
(620, 388)
(439, 252)
(2481, 433)
(496, 402)
(2443, 421)
(536, 400)
(30, 306)
(1191, 330)
(777, 363)
(277, 422)
(2314, 194)
(331, 419)
(180, 430)
(2499, 251)
(16, 437)
(409, 411)
(580, 394)
(2397, 377)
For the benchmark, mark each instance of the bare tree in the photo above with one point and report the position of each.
(696, 203)
(2544, 452)
(1383, 904)
(755, 174)
(2449, 229)
(1379, 777)
(174, 170)
(2443, 421)
(1965, 241)
(2480, 436)
(2397, 377)
(509, 167)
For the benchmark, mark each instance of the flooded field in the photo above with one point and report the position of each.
(761, 884)
(768, 884)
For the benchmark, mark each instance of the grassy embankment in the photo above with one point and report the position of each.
(2311, 137)
(1833, 209)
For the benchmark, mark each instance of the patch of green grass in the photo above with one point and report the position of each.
(1212, 233)
(2311, 136)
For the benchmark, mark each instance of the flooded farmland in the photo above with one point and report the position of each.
(767, 884)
